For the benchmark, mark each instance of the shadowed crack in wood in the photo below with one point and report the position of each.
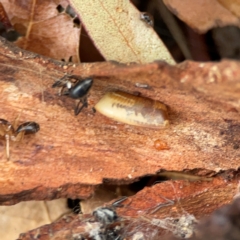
(76, 152)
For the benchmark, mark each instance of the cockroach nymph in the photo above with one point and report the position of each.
(133, 110)
(8, 132)
(147, 18)
(76, 88)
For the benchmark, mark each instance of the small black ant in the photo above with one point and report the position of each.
(75, 88)
(107, 215)
(147, 18)
(109, 223)
(8, 132)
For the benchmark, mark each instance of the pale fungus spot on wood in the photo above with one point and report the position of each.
(133, 110)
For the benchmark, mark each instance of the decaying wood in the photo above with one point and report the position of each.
(148, 211)
(70, 155)
(176, 198)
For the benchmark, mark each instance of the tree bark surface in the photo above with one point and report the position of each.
(72, 154)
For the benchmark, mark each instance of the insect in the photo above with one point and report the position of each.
(8, 132)
(76, 88)
(107, 215)
(147, 18)
(106, 223)
(133, 110)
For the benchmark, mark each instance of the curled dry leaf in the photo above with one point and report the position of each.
(204, 15)
(118, 32)
(44, 30)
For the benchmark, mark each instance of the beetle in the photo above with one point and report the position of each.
(134, 110)
(8, 132)
(76, 88)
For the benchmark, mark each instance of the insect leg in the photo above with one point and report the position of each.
(60, 82)
(78, 109)
(19, 137)
(7, 147)
(118, 203)
(15, 122)
(63, 91)
(168, 203)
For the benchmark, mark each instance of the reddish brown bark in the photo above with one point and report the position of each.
(140, 213)
(70, 155)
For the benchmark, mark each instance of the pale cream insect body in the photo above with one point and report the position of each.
(133, 110)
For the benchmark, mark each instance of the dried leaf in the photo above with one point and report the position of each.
(205, 14)
(25, 216)
(232, 5)
(118, 33)
(44, 30)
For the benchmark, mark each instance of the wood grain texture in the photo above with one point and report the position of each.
(70, 155)
(145, 211)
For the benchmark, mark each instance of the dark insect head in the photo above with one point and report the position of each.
(109, 224)
(105, 215)
(5, 126)
(147, 18)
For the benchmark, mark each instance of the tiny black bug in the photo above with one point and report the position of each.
(110, 225)
(76, 88)
(147, 18)
(107, 215)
